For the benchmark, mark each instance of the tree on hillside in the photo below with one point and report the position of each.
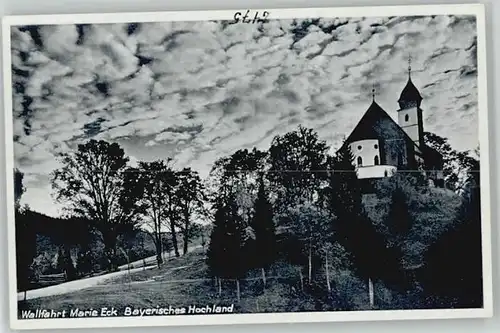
(232, 194)
(430, 212)
(297, 163)
(399, 220)
(84, 263)
(311, 225)
(127, 241)
(85, 260)
(239, 171)
(353, 230)
(166, 246)
(453, 264)
(152, 176)
(216, 250)
(170, 189)
(25, 237)
(93, 184)
(344, 189)
(240, 165)
(293, 250)
(457, 164)
(67, 234)
(263, 251)
(60, 261)
(449, 155)
(471, 170)
(225, 255)
(190, 199)
(78, 233)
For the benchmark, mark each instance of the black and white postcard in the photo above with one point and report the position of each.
(250, 166)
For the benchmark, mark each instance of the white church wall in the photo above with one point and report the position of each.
(412, 132)
(408, 120)
(376, 171)
(366, 152)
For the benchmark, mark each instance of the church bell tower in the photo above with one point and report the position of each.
(410, 114)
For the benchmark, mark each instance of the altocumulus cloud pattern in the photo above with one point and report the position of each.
(195, 91)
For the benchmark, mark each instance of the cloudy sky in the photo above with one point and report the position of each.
(196, 91)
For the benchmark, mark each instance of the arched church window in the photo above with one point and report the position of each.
(360, 161)
(385, 173)
(376, 160)
(375, 146)
(359, 147)
(407, 117)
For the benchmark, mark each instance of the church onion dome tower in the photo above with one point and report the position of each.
(410, 117)
(410, 96)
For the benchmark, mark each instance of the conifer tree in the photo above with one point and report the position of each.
(353, 230)
(225, 256)
(264, 249)
(215, 252)
(346, 192)
(399, 220)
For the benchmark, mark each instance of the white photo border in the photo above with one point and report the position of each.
(290, 317)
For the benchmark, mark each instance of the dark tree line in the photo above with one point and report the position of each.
(25, 237)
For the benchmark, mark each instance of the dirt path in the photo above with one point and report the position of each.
(76, 285)
(152, 260)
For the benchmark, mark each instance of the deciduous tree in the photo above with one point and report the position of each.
(93, 182)
(457, 164)
(190, 200)
(297, 164)
(152, 176)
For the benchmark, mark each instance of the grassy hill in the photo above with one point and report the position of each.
(183, 282)
(432, 212)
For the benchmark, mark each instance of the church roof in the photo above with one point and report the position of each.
(377, 124)
(365, 129)
(410, 96)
